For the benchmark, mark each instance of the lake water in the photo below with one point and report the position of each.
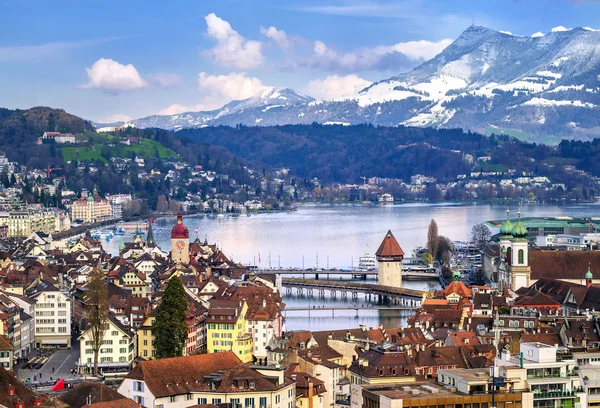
(336, 236)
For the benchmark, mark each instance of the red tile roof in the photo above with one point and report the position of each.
(389, 246)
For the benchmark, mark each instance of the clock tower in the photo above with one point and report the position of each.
(180, 242)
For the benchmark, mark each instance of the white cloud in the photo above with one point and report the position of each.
(117, 117)
(165, 79)
(538, 34)
(279, 36)
(505, 32)
(225, 88)
(232, 50)
(178, 108)
(398, 57)
(219, 90)
(110, 76)
(559, 29)
(417, 50)
(47, 50)
(336, 87)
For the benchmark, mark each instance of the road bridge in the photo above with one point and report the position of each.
(357, 308)
(384, 295)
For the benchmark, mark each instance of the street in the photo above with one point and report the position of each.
(63, 361)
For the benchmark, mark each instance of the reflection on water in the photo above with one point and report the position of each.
(339, 234)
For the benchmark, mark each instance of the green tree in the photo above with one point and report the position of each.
(170, 327)
(427, 258)
(96, 308)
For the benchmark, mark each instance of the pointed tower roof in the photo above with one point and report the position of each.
(389, 247)
(507, 227)
(589, 274)
(150, 235)
(519, 231)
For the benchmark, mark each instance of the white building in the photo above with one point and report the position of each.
(554, 381)
(217, 378)
(117, 351)
(117, 202)
(52, 315)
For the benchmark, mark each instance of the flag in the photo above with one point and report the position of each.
(59, 386)
(591, 225)
(196, 230)
(259, 257)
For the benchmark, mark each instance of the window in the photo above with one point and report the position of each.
(202, 401)
(114, 333)
(172, 398)
(249, 402)
(216, 401)
(123, 350)
(521, 257)
(263, 401)
(122, 341)
(188, 397)
(277, 399)
(62, 329)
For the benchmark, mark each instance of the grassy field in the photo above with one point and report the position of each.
(99, 142)
(509, 132)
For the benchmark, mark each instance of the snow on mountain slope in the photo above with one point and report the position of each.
(542, 85)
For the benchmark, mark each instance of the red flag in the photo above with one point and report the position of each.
(591, 225)
(59, 386)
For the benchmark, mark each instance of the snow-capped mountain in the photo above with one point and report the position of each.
(486, 80)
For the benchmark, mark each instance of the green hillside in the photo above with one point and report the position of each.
(99, 146)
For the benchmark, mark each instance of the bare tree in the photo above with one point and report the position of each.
(96, 308)
(480, 234)
(432, 238)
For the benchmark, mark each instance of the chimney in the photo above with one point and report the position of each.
(311, 392)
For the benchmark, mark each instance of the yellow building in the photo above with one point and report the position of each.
(227, 328)
(146, 338)
(22, 223)
(90, 208)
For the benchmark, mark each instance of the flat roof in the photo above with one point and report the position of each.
(581, 222)
(403, 390)
(469, 374)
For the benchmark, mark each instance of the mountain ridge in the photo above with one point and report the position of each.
(545, 87)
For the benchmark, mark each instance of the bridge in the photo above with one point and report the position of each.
(357, 308)
(408, 273)
(384, 295)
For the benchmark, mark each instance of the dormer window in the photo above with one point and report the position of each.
(251, 384)
(10, 390)
(20, 404)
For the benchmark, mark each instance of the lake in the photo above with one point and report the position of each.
(336, 235)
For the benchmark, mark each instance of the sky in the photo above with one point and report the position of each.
(108, 60)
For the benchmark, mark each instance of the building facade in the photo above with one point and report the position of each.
(90, 208)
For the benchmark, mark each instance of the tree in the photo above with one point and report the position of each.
(96, 307)
(170, 327)
(480, 234)
(432, 237)
(445, 249)
(427, 258)
(161, 204)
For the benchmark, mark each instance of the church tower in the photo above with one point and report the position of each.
(519, 263)
(180, 242)
(389, 262)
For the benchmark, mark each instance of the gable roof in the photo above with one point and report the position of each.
(563, 264)
(77, 397)
(175, 375)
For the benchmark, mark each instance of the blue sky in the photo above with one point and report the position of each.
(106, 60)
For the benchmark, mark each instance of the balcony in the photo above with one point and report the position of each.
(554, 394)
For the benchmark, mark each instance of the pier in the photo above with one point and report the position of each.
(382, 295)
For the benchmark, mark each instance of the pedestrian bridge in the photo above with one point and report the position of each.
(373, 293)
(408, 273)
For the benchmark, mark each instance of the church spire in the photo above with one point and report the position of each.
(150, 234)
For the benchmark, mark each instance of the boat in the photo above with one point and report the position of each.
(220, 215)
(367, 262)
